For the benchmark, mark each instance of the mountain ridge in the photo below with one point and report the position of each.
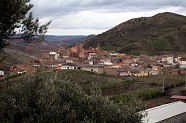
(163, 33)
(68, 39)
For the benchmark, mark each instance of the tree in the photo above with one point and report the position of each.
(32, 30)
(11, 14)
(43, 30)
(39, 99)
(15, 14)
(30, 27)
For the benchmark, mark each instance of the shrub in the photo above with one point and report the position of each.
(149, 94)
(37, 99)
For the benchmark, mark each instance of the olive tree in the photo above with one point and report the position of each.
(38, 99)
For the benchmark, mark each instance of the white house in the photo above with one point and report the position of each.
(68, 66)
(168, 59)
(92, 55)
(2, 73)
(56, 57)
(168, 113)
(53, 53)
(182, 62)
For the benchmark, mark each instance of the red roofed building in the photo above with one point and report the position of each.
(179, 98)
(85, 53)
(156, 67)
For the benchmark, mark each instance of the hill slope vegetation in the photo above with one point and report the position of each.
(163, 33)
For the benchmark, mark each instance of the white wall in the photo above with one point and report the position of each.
(53, 53)
(170, 60)
(68, 67)
(2, 73)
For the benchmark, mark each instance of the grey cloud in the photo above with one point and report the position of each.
(59, 7)
(62, 11)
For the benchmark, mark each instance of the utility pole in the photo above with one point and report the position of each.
(185, 80)
(163, 84)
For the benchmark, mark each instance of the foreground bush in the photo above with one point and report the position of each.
(38, 99)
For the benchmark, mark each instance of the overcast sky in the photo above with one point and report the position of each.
(84, 17)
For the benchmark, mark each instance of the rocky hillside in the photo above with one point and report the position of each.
(163, 33)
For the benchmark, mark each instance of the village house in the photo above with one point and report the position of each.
(141, 73)
(126, 74)
(64, 53)
(83, 54)
(115, 59)
(182, 62)
(95, 61)
(92, 55)
(134, 58)
(56, 57)
(2, 73)
(156, 67)
(170, 60)
(113, 54)
(115, 71)
(127, 61)
(153, 72)
(137, 72)
(76, 48)
(71, 60)
(92, 68)
(106, 61)
(118, 65)
(69, 66)
(57, 67)
(167, 59)
(52, 53)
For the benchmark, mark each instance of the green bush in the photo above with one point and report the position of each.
(12, 76)
(149, 94)
(122, 98)
(38, 99)
(145, 95)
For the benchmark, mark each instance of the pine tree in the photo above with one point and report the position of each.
(16, 14)
(32, 30)
(11, 14)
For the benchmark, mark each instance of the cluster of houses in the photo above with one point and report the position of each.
(103, 62)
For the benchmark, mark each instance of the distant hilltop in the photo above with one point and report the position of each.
(68, 40)
(163, 33)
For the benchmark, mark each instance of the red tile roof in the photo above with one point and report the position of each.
(178, 97)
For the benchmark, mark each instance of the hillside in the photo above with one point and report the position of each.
(19, 51)
(163, 33)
